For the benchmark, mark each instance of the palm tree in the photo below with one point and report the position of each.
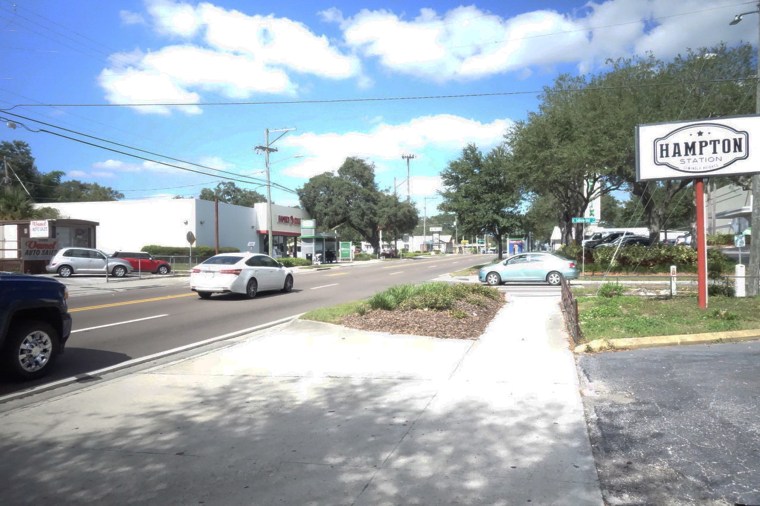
(15, 204)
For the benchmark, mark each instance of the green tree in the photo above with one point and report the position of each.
(227, 191)
(19, 162)
(15, 204)
(542, 216)
(704, 83)
(77, 191)
(351, 199)
(611, 209)
(563, 151)
(482, 193)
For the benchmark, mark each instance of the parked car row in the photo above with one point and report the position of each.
(69, 261)
(615, 239)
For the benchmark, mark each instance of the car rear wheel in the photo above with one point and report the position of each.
(65, 271)
(163, 269)
(288, 284)
(204, 295)
(31, 349)
(119, 271)
(554, 278)
(493, 278)
(251, 288)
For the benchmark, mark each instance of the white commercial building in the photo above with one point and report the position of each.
(129, 225)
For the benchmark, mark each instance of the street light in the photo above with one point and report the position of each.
(267, 148)
(754, 247)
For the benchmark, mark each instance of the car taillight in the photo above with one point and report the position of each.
(196, 271)
(572, 265)
(230, 271)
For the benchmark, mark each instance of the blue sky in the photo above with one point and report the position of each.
(346, 75)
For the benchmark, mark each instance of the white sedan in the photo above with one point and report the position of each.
(244, 273)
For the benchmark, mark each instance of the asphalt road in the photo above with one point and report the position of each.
(111, 325)
(677, 425)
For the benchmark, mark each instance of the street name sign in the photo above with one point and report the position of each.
(584, 220)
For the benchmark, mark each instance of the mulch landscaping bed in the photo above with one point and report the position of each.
(421, 322)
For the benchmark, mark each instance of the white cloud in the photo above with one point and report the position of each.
(443, 133)
(425, 186)
(470, 43)
(103, 174)
(174, 18)
(222, 51)
(76, 174)
(131, 18)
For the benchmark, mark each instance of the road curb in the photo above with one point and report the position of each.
(141, 360)
(633, 343)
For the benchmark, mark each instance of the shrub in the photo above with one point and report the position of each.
(434, 296)
(611, 290)
(720, 240)
(361, 257)
(293, 262)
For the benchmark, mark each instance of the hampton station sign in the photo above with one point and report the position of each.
(697, 149)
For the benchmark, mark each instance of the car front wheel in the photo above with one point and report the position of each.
(493, 278)
(554, 278)
(163, 269)
(204, 295)
(288, 284)
(251, 288)
(31, 349)
(119, 271)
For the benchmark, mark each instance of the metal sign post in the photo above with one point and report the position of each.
(583, 220)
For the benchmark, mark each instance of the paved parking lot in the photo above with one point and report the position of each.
(676, 425)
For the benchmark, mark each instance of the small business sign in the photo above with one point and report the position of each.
(39, 229)
(36, 249)
(436, 229)
(696, 149)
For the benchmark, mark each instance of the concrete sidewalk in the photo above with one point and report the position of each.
(311, 413)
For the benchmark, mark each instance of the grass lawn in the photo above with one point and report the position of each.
(633, 316)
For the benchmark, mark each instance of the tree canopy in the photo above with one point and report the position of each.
(226, 191)
(483, 193)
(23, 176)
(351, 199)
(581, 144)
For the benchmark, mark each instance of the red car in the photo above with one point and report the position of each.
(144, 262)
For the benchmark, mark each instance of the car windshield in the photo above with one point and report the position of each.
(225, 260)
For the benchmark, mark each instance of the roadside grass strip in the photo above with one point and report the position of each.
(628, 316)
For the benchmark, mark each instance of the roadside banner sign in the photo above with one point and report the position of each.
(345, 250)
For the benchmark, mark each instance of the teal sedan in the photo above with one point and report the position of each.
(536, 266)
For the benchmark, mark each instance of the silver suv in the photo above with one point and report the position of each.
(70, 261)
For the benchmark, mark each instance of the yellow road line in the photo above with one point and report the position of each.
(126, 303)
(337, 274)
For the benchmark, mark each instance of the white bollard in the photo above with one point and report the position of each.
(739, 287)
(673, 280)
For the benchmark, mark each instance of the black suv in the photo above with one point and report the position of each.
(34, 324)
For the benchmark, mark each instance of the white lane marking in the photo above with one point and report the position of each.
(394, 273)
(119, 323)
(324, 286)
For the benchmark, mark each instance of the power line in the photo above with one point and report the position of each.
(379, 99)
(248, 180)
